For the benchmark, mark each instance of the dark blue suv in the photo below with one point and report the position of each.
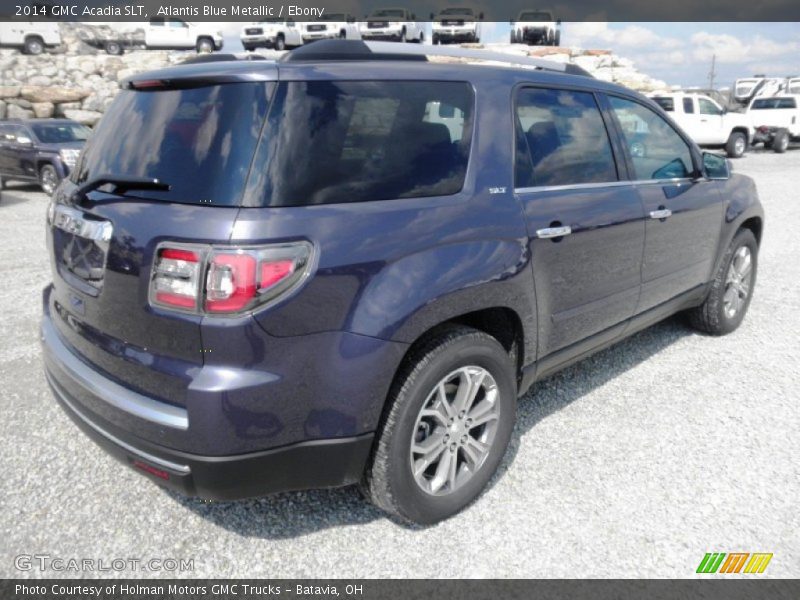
(42, 151)
(346, 266)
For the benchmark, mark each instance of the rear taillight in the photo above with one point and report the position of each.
(226, 280)
(176, 278)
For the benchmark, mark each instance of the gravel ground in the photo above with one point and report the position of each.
(633, 463)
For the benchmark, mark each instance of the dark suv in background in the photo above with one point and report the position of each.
(346, 266)
(43, 151)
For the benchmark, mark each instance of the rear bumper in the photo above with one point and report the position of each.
(306, 465)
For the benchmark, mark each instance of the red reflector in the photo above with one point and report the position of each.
(147, 83)
(175, 300)
(273, 272)
(150, 469)
(231, 282)
(178, 254)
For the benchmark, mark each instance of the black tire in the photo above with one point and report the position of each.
(711, 316)
(34, 45)
(342, 35)
(204, 45)
(113, 48)
(388, 479)
(280, 42)
(248, 47)
(48, 178)
(421, 38)
(780, 143)
(737, 145)
(435, 39)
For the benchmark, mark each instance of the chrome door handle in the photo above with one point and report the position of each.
(661, 213)
(553, 232)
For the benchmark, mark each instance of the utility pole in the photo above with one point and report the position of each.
(712, 73)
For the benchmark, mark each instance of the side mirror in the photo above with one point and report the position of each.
(716, 166)
(25, 141)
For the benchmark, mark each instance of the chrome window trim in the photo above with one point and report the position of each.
(109, 391)
(600, 185)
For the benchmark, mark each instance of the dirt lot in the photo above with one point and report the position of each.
(633, 463)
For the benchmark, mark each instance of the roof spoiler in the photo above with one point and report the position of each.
(336, 50)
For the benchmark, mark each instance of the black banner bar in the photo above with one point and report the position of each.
(420, 10)
(372, 589)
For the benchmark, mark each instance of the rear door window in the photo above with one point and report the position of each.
(688, 106)
(665, 102)
(561, 139)
(355, 141)
(657, 151)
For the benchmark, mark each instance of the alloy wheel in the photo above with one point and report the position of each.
(455, 430)
(738, 282)
(48, 180)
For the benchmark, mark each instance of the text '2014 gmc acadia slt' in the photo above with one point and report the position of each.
(346, 266)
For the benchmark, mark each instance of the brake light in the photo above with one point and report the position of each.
(226, 280)
(176, 277)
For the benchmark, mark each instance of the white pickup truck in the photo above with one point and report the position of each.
(456, 24)
(708, 123)
(330, 26)
(776, 121)
(393, 25)
(536, 27)
(176, 34)
(30, 37)
(271, 33)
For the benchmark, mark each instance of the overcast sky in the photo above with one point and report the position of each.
(678, 53)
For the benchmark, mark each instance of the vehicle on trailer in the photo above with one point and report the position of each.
(707, 122)
(177, 34)
(330, 26)
(745, 89)
(360, 288)
(393, 25)
(455, 25)
(775, 121)
(42, 151)
(30, 37)
(536, 27)
(273, 34)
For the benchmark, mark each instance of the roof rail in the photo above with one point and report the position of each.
(359, 50)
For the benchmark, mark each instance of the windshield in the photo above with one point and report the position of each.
(200, 141)
(668, 104)
(389, 13)
(332, 142)
(58, 133)
(536, 16)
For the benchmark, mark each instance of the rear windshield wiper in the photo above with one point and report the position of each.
(121, 185)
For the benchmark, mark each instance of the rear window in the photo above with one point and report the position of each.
(351, 141)
(768, 103)
(668, 104)
(200, 141)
